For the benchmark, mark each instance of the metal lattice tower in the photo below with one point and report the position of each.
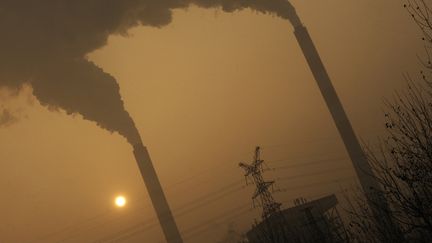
(262, 194)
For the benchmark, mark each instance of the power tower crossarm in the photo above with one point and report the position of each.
(262, 191)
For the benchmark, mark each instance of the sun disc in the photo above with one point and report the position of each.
(120, 201)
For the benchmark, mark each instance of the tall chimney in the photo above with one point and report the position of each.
(340, 118)
(157, 196)
(363, 169)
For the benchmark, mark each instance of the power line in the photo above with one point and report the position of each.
(322, 172)
(99, 216)
(320, 183)
(201, 228)
(205, 200)
(188, 207)
(76, 226)
(196, 201)
(136, 229)
(306, 163)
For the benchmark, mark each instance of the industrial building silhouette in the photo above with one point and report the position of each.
(307, 222)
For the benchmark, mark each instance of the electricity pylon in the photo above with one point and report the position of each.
(262, 192)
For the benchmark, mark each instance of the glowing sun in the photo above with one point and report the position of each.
(120, 201)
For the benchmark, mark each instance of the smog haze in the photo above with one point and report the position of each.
(202, 83)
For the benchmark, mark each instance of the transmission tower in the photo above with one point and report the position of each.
(262, 193)
(273, 228)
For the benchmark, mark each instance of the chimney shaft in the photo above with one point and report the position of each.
(157, 196)
(361, 165)
(352, 145)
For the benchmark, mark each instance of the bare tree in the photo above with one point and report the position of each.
(403, 165)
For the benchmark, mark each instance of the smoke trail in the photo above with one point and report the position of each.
(44, 44)
(79, 86)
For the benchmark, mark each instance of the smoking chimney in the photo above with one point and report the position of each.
(157, 196)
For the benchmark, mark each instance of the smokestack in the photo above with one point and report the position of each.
(55, 47)
(157, 196)
(376, 200)
(340, 118)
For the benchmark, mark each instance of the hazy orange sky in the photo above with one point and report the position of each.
(204, 91)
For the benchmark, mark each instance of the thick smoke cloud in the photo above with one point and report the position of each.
(44, 43)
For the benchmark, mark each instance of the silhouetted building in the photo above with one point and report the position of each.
(306, 222)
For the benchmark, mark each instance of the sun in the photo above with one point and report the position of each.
(120, 201)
